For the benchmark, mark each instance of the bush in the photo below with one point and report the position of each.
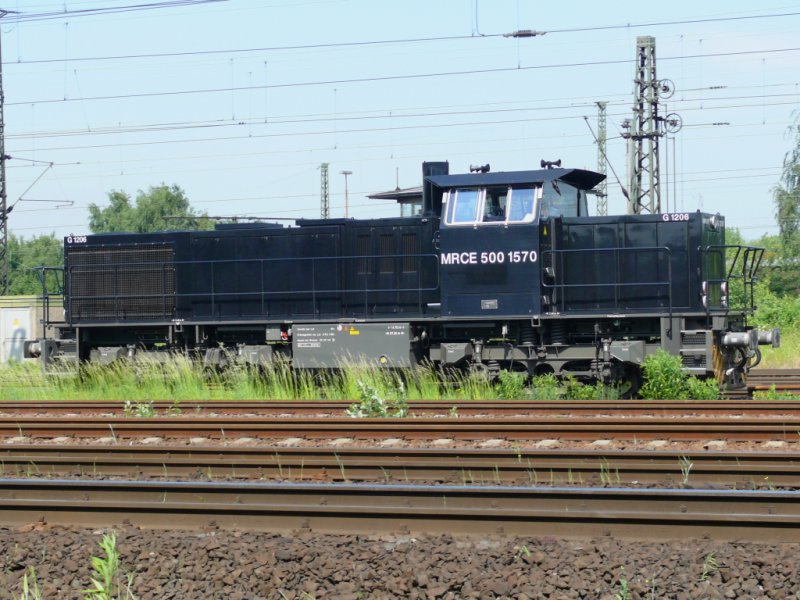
(702, 389)
(575, 390)
(510, 385)
(776, 311)
(664, 379)
(546, 387)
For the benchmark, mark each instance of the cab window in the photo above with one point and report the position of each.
(462, 206)
(522, 205)
(494, 205)
(562, 200)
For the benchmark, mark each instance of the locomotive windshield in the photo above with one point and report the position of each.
(491, 205)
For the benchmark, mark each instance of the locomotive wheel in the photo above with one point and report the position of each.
(629, 381)
(479, 370)
(489, 371)
(209, 374)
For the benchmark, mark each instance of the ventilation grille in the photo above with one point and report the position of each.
(362, 250)
(694, 339)
(386, 250)
(410, 252)
(121, 282)
(694, 361)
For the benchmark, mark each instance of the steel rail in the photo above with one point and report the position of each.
(516, 428)
(772, 516)
(462, 407)
(783, 380)
(765, 380)
(750, 469)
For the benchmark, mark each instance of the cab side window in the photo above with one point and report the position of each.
(462, 206)
(560, 200)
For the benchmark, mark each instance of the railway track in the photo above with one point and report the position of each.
(739, 428)
(783, 380)
(481, 466)
(416, 408)
(772, 516)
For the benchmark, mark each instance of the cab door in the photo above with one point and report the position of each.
(489, 244)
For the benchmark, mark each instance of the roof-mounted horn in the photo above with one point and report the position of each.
(549, 164)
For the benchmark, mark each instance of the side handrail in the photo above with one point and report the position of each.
(59, 278)
(616, 284)
(744, 266)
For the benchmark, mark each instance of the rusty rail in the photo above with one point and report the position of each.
(662, 514)
(510, 428)
(752, 470)
(422, 407)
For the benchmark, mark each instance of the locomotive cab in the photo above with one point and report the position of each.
(489, 240)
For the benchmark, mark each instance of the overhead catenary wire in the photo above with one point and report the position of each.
(388, 114)
(23, 17)
(394, 128)
(412, 40)
(374, 79)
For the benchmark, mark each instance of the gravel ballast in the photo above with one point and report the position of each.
(305, 566)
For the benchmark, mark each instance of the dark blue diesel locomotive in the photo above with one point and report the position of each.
(502, 270)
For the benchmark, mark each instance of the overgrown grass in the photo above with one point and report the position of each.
(378, 390)
(137, 383)
(186, 381)
(783, 312)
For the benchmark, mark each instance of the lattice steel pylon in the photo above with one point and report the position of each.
(645, 129)
(324, 192)
(601, 190)
(643, 167)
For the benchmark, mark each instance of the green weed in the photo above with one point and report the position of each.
(624, 592)
(522, 552)
(106, 578)
(773, 394)
(143, 410)
(686, 468)
(372, 404)
(30, 587)
(710, 566)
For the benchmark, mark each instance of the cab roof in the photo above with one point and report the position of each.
(579, 178)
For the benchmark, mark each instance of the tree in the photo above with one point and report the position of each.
(782, 259)
(161, 207)
(24, 255)
(787, 196)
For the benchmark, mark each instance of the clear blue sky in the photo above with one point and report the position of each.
(239, 101)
